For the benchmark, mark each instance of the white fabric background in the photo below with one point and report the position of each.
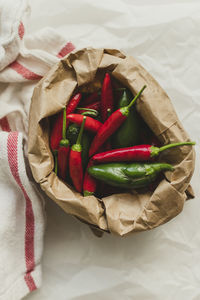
(163, 263)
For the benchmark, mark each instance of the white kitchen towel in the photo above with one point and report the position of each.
(24, 59)
(25, 62)
(12, 16)
(21, 222)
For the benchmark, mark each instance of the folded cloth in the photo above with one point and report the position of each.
(24, 59)
(12, 16)
(21, 222)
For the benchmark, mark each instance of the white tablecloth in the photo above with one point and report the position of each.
(163, 263)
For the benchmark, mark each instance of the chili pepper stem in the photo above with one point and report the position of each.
(81, 131)
(136, 97)
(77, 146)
(161, 167)
(90, 113)
(155, 150)
(86, 193)
(64, 142)
(125, 110)
(89, 109)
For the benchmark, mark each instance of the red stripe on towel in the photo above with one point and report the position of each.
(12, 150)
(21, 30)
(66, 49)
(26, 73)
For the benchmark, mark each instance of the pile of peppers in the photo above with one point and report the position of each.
(100, 142)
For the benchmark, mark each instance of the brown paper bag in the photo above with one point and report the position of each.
(121, 214)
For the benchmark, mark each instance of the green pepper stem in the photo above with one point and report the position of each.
(88, 109)
(87, 193)
(157, 167)
(81, 131)
(64, 124)
(136, 97)
(175, 145)
(90, 113)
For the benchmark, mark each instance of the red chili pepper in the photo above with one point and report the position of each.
(92, 98)
(107, 100)
(89, 182)
(90, 123)
(135, 153)
(73, 103)
(63, 155)
(56, 131)
(75, 161)
(111, 125)
(63, 151)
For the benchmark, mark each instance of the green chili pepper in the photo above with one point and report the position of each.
(131, 176)
(125, 98)
(147, 136)
(128, 134)
(72, 133)
(86, 141)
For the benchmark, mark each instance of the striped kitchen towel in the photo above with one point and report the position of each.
(21, 222)
(24, 59)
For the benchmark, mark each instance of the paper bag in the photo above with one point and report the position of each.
(121, 214)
